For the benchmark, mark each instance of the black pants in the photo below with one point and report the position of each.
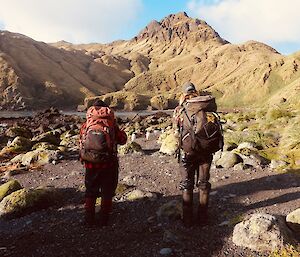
(101, 182)
(191, 164)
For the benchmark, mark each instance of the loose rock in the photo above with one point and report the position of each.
(261, 232)
(293, 220)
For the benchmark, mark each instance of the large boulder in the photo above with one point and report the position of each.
(255, 160)
(293, 220)
(247, 145)
(131, 147)
(228, 160)
(170, 210)
(138, 194)
(52, 137)
(9, 187)
(24, 201)
(169, 142)
(71, 142)
(36, 157)
(261, 232)
(21, 144)
(18, 131)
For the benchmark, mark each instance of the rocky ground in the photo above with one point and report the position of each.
(139, 226)
(135, 229)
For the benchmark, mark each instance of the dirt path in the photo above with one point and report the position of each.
(58, 231)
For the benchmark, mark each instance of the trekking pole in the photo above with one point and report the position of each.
(197, 176)
(179, 145)
(178, 155)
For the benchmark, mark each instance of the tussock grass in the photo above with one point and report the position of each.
(287, 251)
(276, 130)
(277, 113)
(290, 138)
(260, 113)
(264, 140)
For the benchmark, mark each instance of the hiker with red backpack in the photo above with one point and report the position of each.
(99, 137)
(200, 135)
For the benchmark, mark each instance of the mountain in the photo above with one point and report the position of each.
(146, 70)
(36, 75)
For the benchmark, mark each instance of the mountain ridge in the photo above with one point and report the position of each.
(156, 62)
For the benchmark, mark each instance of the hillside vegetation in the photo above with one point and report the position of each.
(156, 62)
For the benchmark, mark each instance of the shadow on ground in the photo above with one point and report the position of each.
(58, 231)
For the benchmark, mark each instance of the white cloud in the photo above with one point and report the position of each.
(72, 20)
(269, 21)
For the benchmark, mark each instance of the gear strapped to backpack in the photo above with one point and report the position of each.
(200, 127)
(98, 142)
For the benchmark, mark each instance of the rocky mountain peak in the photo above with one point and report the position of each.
(178, 26)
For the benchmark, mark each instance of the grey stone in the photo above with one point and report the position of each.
(261, 232)
(138, 194)
(39, 157)
(51, 137)
(228, 160)
(18, 131)
(21, 144)
(241, 167)
(166, 251)
(170, 210)
(170, 237)
(277, 164)
(8, 188)
(129, 179)
(255, 160)
(230, 146)
(24, 201)
(247, 145)
(293, 220)
(131, 147)
(169, 142)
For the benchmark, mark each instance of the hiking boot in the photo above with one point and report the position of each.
(187, 216)
(187, 208)
(103, 219)
(89, 219)
(106, 208)
(202, 216)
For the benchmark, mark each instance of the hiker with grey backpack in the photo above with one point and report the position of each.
(200, 135)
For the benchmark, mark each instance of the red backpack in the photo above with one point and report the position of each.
(98, 142)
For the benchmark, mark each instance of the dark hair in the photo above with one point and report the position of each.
(99, 103)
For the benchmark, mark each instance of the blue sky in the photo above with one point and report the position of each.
(155, 10)
(273, 22)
